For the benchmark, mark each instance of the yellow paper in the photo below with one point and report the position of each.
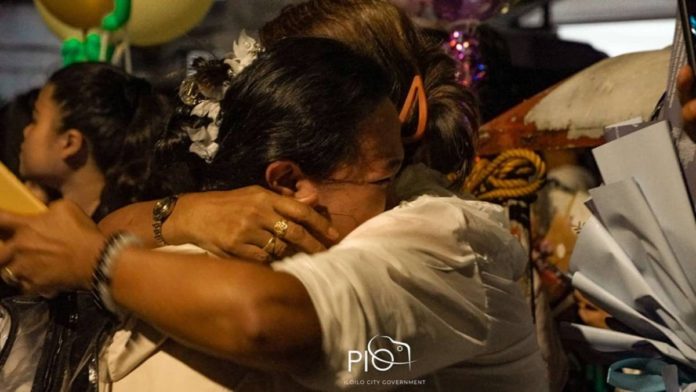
(15, 197)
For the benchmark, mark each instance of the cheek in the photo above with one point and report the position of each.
(31, 145)
(27, 147)
(375, 201)
(348, 210)
(36, 155)
(367, 204)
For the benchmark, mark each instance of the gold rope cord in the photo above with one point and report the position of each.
(511, 175)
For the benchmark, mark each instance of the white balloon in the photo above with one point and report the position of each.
(154, 22)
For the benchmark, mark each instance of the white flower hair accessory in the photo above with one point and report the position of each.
(203, 138)
(205, 99)
(244, 52)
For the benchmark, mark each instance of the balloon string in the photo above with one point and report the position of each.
(104, 45)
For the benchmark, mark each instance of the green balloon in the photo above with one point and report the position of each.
(76, 51)
(72, 51)
(92, 47)
(118, 17)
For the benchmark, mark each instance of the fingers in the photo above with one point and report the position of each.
(685, 84)
(288, 231)
(8, 276)
(12, 275)
(273, 249)
(302, 239)
(305, 215)
(254, 254)
(689, 112)
(280, 250)
(9, 222)
(685, 87)
(6, 252)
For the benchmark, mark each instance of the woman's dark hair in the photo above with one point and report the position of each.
(379, 30)
(300, 100)
(120, 116)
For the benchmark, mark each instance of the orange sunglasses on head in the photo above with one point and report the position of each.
(416, 89)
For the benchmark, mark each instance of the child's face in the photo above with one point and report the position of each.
(40, 156)
(358, 191)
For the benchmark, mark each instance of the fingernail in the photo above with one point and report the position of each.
(333, 233)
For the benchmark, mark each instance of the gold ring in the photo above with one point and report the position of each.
(9, 277)
(270, 245)
(280, 228)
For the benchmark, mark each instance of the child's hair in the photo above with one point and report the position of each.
(379, 30)
(120, 116)
(301, 100)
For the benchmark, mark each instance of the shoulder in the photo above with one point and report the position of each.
(450, 230)
(446, 216)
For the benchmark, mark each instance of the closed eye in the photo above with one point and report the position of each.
(383, 182)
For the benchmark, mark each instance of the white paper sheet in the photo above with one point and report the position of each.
(630, 317)
(601, 259)
(629, 219)
(648, 155)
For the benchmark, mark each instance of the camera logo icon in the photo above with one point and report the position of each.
(382, 354)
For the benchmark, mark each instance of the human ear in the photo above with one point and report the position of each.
(73, 148)
(287, 178)
(72, 142)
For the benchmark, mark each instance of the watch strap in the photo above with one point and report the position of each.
(160, 212)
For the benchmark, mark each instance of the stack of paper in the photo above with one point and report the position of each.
(636, 257)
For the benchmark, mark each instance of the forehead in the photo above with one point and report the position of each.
(46, 109)
(46, 93)
(45, 102)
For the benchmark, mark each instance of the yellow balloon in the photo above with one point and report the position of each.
(82, 14)
(154, 22)
(60, 29)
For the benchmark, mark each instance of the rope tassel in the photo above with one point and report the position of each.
(513, 174)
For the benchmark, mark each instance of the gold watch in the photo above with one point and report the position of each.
(160, 212)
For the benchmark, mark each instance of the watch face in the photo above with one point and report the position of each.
(164, 207)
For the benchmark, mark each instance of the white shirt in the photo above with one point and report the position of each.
(437, 277)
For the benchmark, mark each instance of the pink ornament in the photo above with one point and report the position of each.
(454, 10)
(463, 46)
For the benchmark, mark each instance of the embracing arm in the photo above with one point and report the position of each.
(229, 223)
(134, 218)
(244, 312)
(226, 307)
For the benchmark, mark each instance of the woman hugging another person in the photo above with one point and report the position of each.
(311, 120)
(432, 281)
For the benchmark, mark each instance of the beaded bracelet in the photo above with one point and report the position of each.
(101, 276)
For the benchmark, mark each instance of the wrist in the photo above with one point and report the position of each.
(102, 273)
(92, 254)
(176, 230)
(161, 212)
